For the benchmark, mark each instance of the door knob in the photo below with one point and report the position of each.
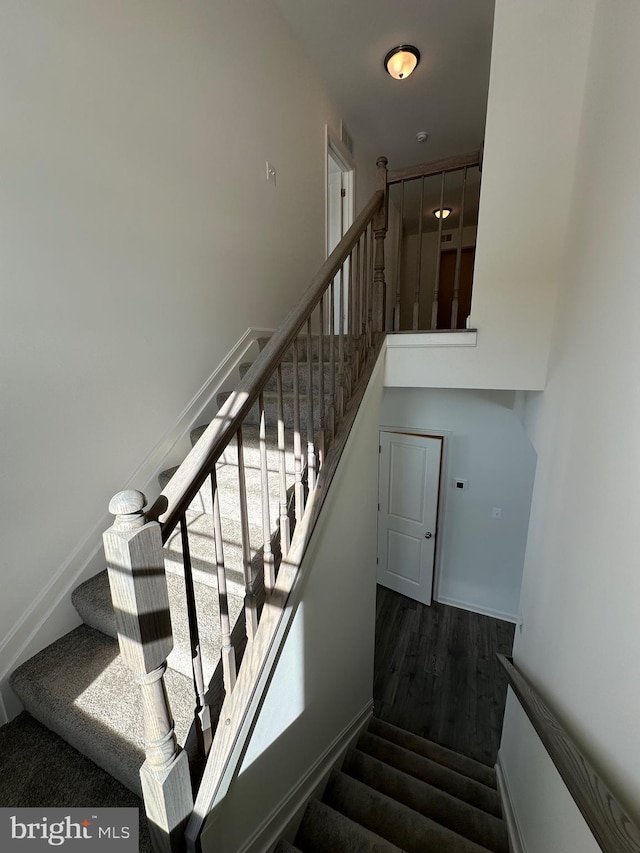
(428, 535)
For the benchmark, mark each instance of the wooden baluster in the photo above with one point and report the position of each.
(285, 528)
(267, 554)
(416, 302)
(380, 231)
(311, 447)
(363, 299)
(365, 289)
(396, 313)
(436, 285)
(340, 381)
(227, 653)
(370, 288)
(456, 284)
(297, 440)
(350, 315)
(203, 713)
(355, 353)
(135, 564)
(250, 604)
(332, 358)
(321, 367)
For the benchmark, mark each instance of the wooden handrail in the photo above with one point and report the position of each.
(435, 167)
(611, 826)
(188, 479)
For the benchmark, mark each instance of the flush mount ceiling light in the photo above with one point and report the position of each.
(442, 213)
(401, 61)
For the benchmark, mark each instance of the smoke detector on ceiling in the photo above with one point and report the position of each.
(422, 136)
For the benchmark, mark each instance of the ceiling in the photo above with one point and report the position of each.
(347, 40)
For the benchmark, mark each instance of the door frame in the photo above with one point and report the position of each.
(445, 435)
(333, 145)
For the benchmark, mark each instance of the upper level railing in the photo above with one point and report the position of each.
(612, 828)
(433, 218)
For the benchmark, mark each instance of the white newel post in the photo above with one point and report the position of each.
(135, 563)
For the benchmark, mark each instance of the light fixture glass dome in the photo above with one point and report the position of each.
(402, 61)
(444, 212)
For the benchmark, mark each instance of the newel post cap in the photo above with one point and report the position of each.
(127, 506)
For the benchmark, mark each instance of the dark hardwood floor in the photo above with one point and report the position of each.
(436, 673)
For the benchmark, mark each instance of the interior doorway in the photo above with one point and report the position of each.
(340, 203)
(448, 264)
(408, 511)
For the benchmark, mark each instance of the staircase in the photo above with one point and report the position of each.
(80, 688)
(398, 792)
(187, 623)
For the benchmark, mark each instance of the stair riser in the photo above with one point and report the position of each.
(251, 453)
(303, 377)
(472, 792)
(387, 817)
(271, 412)
(466, 766)
(315, 347)
(327, 830)
(431, 802)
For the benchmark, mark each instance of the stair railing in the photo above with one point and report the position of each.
(337, 330)
(419, 304)
(611, 826)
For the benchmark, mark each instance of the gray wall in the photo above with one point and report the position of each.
(481, 558)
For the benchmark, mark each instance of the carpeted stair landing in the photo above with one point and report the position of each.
(79, 688)
(398, 792)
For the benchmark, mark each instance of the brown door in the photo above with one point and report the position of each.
(447, 285)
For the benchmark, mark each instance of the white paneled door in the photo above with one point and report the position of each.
(409, 484)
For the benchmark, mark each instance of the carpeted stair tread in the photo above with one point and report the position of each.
(271, 409)
(251, 448)
(203, 553)
(399, 824)
(227, 479)
(428, 749)
(459, 786)
(166, 475)
(472, 823)
(80, 688)
(92, 600)
(327, 830)
(315, 347)
(285, 847)
(303, 376)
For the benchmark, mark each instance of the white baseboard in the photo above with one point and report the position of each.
(516, 843)
(51, 614)
(478, 608)
(283, 816)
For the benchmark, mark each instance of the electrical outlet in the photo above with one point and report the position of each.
(496, 512)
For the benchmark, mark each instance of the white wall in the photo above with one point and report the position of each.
(139, 239)
(324, 678)
(481, 558)
(581, 584)
(538, 66)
